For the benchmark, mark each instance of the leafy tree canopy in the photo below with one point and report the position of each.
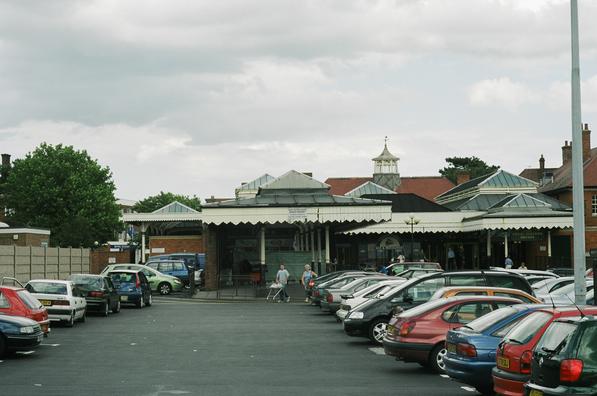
(473, 165)
(162, 199)
(65, 190)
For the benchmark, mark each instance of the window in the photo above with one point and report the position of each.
(528, 327)
(165, 267)
(466, 313)
(594, 205)
(4, 301)
(504, 330)
(510, 282)
(467, 280)
(514, 295)
(423, 291)
(556, 337)
(28, 299)
(178, 266)
(481, 324)
(153, 265)
(587, 350)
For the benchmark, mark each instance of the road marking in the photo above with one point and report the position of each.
(52, 345)
(26, 352)
(444, 376)
(468, 389)
(377, 351)
(133, 343)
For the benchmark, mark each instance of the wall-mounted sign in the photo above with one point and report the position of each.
(111, 260)
(158, 250)
(297, 214)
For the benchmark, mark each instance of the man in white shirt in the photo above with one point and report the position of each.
(282, 278)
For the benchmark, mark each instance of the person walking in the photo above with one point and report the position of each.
(306, 278)
(522, 266)
(508, 263)
(282, 278)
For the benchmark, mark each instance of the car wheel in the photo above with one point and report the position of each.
(164, 288)
(116, 309)
(141, 302)
(106, 309)
(2, 346)
(436, 359)
(149, 301)
(71, 321)
(83, 318)
(377, 330)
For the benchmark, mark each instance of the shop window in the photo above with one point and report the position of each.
(594, 205)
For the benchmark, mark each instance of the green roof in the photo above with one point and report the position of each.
(368, 188)
(175, 207)
(498, 179)
(255, 184)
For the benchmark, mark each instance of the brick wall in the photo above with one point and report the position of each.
(211, 263)
(176, 244)
(101, 257)
(24, 239)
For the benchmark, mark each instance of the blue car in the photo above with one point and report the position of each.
(471, 349)
(132, 286)
(18, 334)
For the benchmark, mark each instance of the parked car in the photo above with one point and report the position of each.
(194, 260)
(336, 282)
(17, 301)
(514, 352)
(550, 285)
(176, 268)
(350, 301)
(100, 294)
(371, 317)
(63, 300)
(564, 295)
(417, 272)
(565, 359)
(562, 271)
(18, 333)
(331, 297)
(419, 334)
(452, 291)
(396, 268)
(471, 349)
(132, 287)
(161, 283)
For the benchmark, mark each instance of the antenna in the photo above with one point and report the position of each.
(582, 315)
(553, 304)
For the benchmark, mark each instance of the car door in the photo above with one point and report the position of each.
(166, 268)
(179, 270)
(78, 300)
(111, 291)
(145, 287)
(151, 276)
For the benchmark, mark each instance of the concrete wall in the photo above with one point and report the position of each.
(30, 262)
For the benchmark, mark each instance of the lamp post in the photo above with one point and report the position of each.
(411, 221)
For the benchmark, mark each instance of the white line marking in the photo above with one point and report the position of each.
(377, 351)
(133, 343)
(468, 389)
(444, 376)
(52, 345)
(26, 352)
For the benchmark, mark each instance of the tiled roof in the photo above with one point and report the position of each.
(427, 187)
(562, 177)
(536, 174)
(342, 185)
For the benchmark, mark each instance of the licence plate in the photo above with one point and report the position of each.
(451, 348)
(535, 392)
(46, 303)
(124, 298)
(503, 362)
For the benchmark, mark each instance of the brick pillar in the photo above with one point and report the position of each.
(210, 238)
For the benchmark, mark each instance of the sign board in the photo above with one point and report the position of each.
(111, 260)
(158, 250)
(297, 215)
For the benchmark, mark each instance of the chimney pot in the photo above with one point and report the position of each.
(586, 143)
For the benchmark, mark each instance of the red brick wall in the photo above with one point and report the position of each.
(590, 220)
(177, 244)
(100, 258)
(211, 264)
(24, 239)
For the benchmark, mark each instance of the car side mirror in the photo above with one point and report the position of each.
(407, 298)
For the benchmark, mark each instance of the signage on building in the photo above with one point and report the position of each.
(527, 235)
(389, 243)
(297, 214)
(158, 250)
(111, 260)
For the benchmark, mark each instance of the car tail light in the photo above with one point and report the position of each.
(466, 350)
(330, 298)
(311, 283)
(406, 328)
(95, 294)
(525, 362)
(138, 282)
(316, 293)
(570, 370)
(60, 302)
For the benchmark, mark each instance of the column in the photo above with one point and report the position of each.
(549, 243)
(488, 248)
(506, 244)
(312, 234)
(327, 247)
(212, 267)
(318, 250)
(143, 230)
(262, 253)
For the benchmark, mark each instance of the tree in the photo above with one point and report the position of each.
(162, 199)
(60, 188)
(474, 166)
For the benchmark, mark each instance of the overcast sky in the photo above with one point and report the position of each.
(194, 97)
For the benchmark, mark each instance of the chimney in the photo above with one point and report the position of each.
(462, 177)
(6, 160)
(566, 152)
(586, 143)
(541, 164)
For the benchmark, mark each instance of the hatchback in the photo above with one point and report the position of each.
(17, 301)
(484, 291)
(331, 297)
(514, 353)
(100, 294)
(132, 287)
(63, 300)
(419, 334)
(18, 333)
(565, 359)
(161, 283)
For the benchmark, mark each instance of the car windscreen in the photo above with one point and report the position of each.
(47, 288)
(28, 299)
(528, 327)
(123, 277)
(88, 282)
(556, 337)
(484, 322)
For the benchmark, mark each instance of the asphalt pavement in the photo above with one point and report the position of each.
(179, 347)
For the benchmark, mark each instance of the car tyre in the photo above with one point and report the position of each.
(71, 321)
(83, 318)
(2, 346)
(377, 330)
(149, 301)
(164, 288)
(140, 303)
(106, 310)
(116, 309)
(436, 359)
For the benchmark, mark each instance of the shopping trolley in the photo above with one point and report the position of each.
(274, 291)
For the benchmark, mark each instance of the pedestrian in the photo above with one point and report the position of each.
(305, 279)
(401, 258)
(282, 278)
(522, 266)
(508, 263)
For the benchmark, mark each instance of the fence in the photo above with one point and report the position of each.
(32, 262)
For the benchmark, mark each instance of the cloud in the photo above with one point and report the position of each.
(501, 91)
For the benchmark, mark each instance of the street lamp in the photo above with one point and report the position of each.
(411, 221)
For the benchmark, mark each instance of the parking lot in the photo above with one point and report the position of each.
(179, 347)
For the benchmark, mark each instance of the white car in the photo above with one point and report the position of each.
(362, 295)
(63, 300)
(563, 295)
(547, 286)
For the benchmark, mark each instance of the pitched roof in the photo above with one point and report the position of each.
(405, 203)
(497, 179)
(342, 185)
(293, 180)
(175, 207)
(536, 174)
(427, 187)
(562, 177)
(255, 184)
(386, 155)
(368, 188)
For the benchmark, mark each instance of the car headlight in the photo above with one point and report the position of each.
(356, 315)
(27, 330)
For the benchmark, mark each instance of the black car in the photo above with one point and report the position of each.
(565, 359)
(371, 317)
(100, 294)
(18, 333)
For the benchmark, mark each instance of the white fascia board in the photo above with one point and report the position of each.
(24, 231)
(519, 223)
(160, 217)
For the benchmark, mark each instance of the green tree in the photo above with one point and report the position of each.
(65, 190)
(162, 199)
(474, 166)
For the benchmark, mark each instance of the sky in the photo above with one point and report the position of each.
(195, 97)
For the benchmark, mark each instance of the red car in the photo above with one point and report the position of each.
(16, 301)
(419, 334)
(515, 352)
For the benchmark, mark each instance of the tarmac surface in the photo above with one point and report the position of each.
(192, 347)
